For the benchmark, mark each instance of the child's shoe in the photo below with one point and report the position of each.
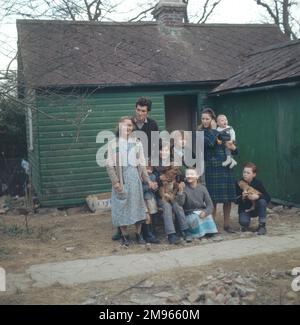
(173, 239)
(152, 239)
(187, 236)
(117, 235)
(125, 240)
(148, 234)
(261, 230)
(140, 240)
(229, 230)
(245, 229)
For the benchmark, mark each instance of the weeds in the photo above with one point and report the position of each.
(14, 231)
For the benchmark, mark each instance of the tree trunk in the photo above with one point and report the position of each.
(286, 18)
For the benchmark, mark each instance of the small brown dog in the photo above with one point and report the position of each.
(169, 187)
(248, 190)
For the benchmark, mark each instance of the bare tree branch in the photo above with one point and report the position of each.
(69, 10)
(210, 11)
(98, 11)
(88, 7)
(270, 11)
(280, 12)
(277, 9)
(286, 18)
(9, 64)
(142, 13)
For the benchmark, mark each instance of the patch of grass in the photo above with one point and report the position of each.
(2, 226)
(14, 231)
(45, 234)
(3, 253)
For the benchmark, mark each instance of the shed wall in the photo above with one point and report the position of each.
(268, 133)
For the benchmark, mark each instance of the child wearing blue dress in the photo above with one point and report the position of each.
(197, 205)
(126, 168)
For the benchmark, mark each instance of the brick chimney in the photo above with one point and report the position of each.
(170, 12)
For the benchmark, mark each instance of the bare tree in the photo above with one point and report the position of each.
(143, 14)
(204, 10)
(281, 12)
(93, 10)
(207, 8)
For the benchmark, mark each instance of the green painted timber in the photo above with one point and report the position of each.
(268, 133)
(64, 156)
(33, 153)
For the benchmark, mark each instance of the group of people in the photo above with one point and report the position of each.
(142, 193)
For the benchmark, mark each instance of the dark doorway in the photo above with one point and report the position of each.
(181, 112)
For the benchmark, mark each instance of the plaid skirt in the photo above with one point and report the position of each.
(220, 181)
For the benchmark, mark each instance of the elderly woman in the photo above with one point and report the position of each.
(127, 169)
(219, 179)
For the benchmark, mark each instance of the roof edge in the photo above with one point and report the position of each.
(80, 22)
(131, 85)
(276, 46)
(125, 23)
(290, 82)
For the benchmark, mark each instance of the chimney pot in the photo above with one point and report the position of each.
(170, 12)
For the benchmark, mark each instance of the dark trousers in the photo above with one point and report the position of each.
(260, 212)
(168, 209)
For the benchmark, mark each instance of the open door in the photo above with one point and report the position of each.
(181, 112)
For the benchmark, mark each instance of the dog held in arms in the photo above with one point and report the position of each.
(169, 184)
(248, 190)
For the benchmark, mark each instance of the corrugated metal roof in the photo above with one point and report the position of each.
(272, 64)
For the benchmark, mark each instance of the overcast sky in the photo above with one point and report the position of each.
(235, 11)
(228, 11)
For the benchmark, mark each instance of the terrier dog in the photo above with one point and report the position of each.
(248, 190)
(169, 187)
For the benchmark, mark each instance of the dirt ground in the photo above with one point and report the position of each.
(59, 235)
(272, 274)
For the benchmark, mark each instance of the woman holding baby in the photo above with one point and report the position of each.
(219, 179)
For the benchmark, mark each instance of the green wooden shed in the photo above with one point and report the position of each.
(263, 100)
(78, 78)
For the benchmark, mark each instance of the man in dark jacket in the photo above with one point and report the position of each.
(143, 123)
